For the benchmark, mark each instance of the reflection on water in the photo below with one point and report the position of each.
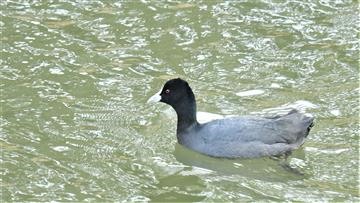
(262, 169)
(75, 78)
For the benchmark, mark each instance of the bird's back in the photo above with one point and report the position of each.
(248, 136)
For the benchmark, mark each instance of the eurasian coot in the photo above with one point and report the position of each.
(235, 137)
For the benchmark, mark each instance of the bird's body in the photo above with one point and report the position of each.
(235, 137)
(247, 136)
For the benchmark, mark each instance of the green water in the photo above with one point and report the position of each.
(75, 77)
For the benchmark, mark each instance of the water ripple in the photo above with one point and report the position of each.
(76, 75)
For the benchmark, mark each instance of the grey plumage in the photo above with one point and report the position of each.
(248, 137)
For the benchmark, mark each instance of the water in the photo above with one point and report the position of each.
(75, 77)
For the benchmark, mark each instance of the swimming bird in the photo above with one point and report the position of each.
(233, 137)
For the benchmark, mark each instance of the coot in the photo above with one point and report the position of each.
(234, 137)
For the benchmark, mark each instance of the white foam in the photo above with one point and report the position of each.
(61, 148)
(204, 117)
(335, 112)
(250, 93)
(326, 151)
(56, 71)
(301, 106)
(275, 85)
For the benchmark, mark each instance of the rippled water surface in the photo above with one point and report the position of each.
(75, 77)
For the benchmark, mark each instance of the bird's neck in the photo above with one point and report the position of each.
(186, 115)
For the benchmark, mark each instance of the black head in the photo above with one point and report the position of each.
(178, 94)
(176, 91)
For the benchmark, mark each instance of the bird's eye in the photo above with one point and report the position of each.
(167, 91)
